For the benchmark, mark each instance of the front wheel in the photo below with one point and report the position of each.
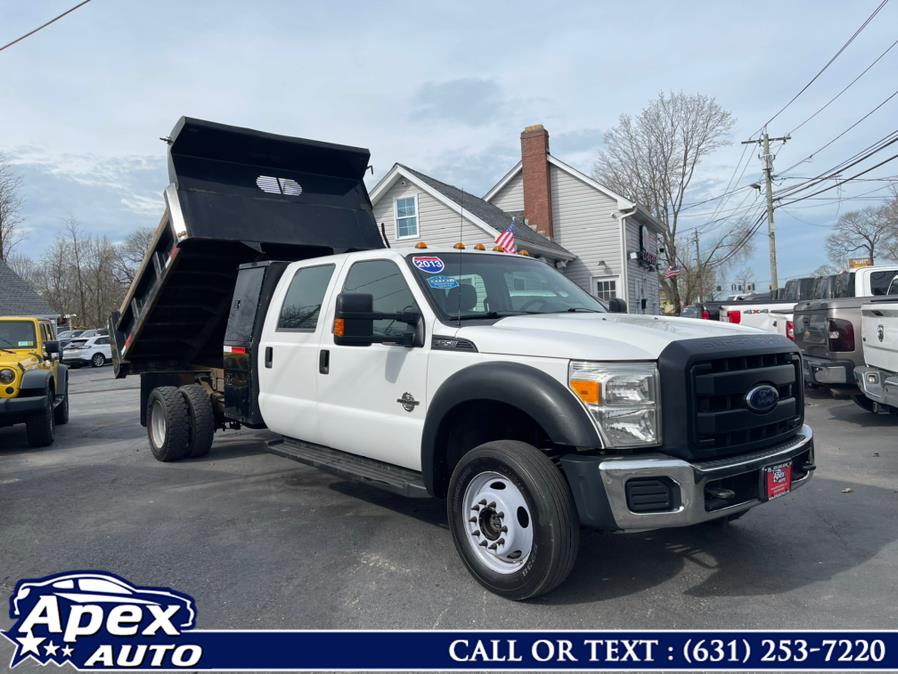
(513, 519)
(41, 427)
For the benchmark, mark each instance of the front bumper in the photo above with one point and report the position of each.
(599, 484)
(879, 386)
(828, 372)
(13, 410)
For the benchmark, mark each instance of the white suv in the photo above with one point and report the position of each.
(95, 351)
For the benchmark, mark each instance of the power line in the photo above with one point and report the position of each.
(826, 145)
(847, 87)
(855, 159)
(827, 65)
(832, 187)
(44, 25)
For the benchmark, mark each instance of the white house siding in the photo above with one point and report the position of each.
(438, 225)
(511, 197)
(583, 223)
(637, 273)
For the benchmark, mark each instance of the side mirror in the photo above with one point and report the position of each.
(51, 346)
(617, 306)
(354, 322)
(353, 319)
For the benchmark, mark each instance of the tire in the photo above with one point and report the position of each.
(41, 427)
(863, 401)
(514, 476)
(202, 420)
(98, 360)
(168, 426)
(61, 411)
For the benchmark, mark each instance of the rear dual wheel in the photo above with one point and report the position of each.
(513, 519)
(180, 422)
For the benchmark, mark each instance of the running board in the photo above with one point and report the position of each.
(392, 478)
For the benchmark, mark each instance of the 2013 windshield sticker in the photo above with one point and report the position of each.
(430, 264)
(442, 282)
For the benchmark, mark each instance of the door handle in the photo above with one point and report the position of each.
(324, 361)
(269, 356)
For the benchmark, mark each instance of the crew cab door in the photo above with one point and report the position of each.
(372, 399)
(287, 362)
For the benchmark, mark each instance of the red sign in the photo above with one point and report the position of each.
(779, 480)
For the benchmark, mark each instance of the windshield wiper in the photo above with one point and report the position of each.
(488, 315)
(571, 310)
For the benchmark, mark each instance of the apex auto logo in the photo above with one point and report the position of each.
(97, 620)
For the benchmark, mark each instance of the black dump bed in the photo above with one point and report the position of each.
(236, 196)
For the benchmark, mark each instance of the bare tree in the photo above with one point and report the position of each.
(10, 208)
(862, 233)
(130, 253)
(651, 158)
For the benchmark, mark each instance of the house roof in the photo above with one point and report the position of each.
(17, 298)
(485, 215)
(623, 204)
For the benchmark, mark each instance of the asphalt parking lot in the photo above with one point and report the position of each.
(261, 541)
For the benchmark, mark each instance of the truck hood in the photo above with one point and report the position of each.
(581, 336)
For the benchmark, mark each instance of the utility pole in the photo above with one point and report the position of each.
(698, 268)
(767, 161)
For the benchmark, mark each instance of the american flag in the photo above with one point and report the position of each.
(506, 239)
(672, 272)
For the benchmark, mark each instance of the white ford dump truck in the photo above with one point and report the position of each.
(269, 300)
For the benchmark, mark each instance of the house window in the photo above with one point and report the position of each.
(605, 288)
(406, 209)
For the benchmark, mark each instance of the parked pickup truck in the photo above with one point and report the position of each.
(776, 315)
(878, 377)
(488, 379)
(829, 334)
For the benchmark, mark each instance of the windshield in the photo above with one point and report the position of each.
(17, 335)
(467, 286)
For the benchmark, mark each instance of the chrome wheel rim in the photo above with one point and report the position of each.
(98, 360)
(157, 424)
(497, 522)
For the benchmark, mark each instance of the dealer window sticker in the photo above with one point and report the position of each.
(429, 264)
(25, 344)
(443, 282)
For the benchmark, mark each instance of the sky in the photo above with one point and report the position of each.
(445, 87)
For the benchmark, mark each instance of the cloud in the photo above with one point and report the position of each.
(468, 100)
(110, 196)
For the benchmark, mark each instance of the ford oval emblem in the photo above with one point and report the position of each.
(762, 399)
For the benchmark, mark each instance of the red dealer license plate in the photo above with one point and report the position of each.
(778, 479)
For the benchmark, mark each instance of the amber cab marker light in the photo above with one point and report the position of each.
(459, 246)
(587, 390)
(525, 253)
(499, 249)
(420, 244)
(339, 327)
(479, 246)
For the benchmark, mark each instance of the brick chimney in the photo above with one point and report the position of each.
(535, 169)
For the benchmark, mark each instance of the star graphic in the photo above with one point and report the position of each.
(67, 652)
(51, 648)
(29, 644)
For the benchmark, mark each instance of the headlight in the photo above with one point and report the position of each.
(623, 398)
(7, 376)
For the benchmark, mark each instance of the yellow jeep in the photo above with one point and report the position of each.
(34, 385)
